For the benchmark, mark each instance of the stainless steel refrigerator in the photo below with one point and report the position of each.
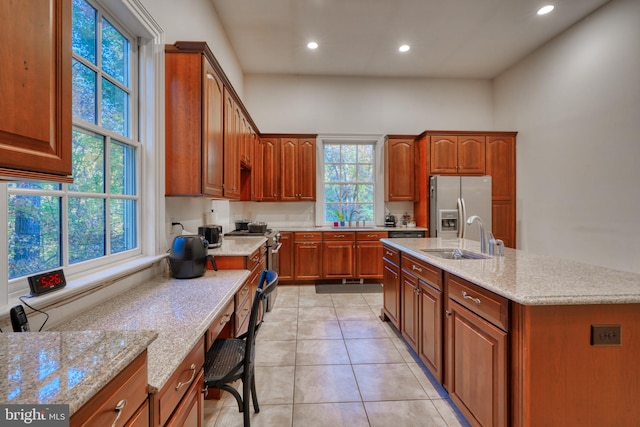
(453, 199)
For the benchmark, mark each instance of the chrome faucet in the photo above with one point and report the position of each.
(351, 217)
(483, 239)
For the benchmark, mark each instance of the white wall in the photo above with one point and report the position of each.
(196, 20)
(576, 105)
(352, 105)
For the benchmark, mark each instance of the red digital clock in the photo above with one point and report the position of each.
(46, 282)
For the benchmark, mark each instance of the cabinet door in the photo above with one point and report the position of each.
(430, 342)
(35, 83)
(288, 169)
(266, 169)
(476, 367)
(307, 170)
(231, 149)
(471, 155)
(285, 257)
(338, 259)
(369, 260)
(444, 154)
(212, 145)
(308, 260)
(391, 291)
(189, 412)
(409, 308)
(501, 165)
(399, 170)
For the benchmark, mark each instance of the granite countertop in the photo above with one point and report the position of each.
(65, 367)
(179, 310)
(238, 246)
(367, 228)
(531, 279)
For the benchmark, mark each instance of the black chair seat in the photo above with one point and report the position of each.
(225, 361)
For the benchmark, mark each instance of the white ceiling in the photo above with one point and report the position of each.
(448, 38)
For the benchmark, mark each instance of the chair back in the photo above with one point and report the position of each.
(266, 284)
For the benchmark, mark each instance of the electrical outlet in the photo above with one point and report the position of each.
(606, 335)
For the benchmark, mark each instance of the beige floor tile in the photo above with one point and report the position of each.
(414, 413)
(308, 289)
(316, 313)
(269, 416)
(321, 352)
(274, 384)
(314, 330)
(288, 289)
(372, 350)
(276, 353)
(390, 381)
(363, 329)
(286, 300)
(429, 384)
(355, 313)
(446, 409)
(314, 300)
(374, 299)
(277, 331)
(329, 414)
(325, 383)
(348, 300)
(282, 314)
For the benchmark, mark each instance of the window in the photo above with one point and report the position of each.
(96, 218)
(349, 181)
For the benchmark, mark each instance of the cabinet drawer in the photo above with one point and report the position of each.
(302, 236)
(242, 310)
(167, 399)
(141, 417)
(242, 294)
(371, 235)
(218, 324)
(425, 272)
(256, 257)
(129, 385)
(493, 308)
(339, 235)
(391, 254)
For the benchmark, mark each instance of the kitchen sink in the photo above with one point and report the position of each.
(455, 254)
(352, 228)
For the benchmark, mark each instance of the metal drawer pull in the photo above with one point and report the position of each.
(119, 407)
(415, 267)
(338, 235)
(193, 375)
(388, 253)
(225, 319)
(467, 296)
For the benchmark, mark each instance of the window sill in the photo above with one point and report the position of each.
(81, 286)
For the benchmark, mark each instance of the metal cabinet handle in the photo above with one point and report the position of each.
(388, 253)
(447, 313)
(467, 296)
(338, 235)
(119, 407)
(193, 375)
(415, 267)
(225, 319)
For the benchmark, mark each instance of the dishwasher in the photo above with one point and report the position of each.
(406, 234)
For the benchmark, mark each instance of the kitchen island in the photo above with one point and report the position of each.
(523, 339)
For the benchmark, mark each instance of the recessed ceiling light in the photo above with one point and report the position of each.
(312, 45)
(545, 9)
(404, 48)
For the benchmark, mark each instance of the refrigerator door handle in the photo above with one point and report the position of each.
(461, 216)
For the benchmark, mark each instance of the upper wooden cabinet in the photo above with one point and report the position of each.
(457, 154)
(297, 169)
(35, 83)
(501, 165)
(399, 170)
(193, 124)
(232, 139)
(266, 169)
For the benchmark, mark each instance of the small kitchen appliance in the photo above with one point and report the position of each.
(390, 220)
(188, 256)
(212, 234)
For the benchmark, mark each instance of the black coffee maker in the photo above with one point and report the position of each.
(390, 220)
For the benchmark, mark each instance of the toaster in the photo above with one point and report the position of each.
(212, 234)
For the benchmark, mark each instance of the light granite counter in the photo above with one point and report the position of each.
(530, 279)
(367, 228)
(65, 367)
(238, 246)
(179, 311)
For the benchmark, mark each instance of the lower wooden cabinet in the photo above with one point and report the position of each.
(189, 411)
(308, 255)
(369, 254)
(409, 303)
(285, 257)
(476, 353)
(338, 250)
(391, 285)
(430, 329)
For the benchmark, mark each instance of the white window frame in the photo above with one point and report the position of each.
(378, 202)
(132, 15)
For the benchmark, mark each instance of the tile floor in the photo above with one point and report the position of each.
(328, 360)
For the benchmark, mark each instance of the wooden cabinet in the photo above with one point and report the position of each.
(285, 257)
(193, 123)
(188, 373)
(35, 83)
(501, 165)
(129, 385)
(242, 308)
(457, 154)
(308, 255)
(266, 172)
(409, 307)
(232, 135)
(391, 285)
(297, 169)
(189, 412)
(476, 352)
(399, 170)
(369, 254)
(338, 249)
